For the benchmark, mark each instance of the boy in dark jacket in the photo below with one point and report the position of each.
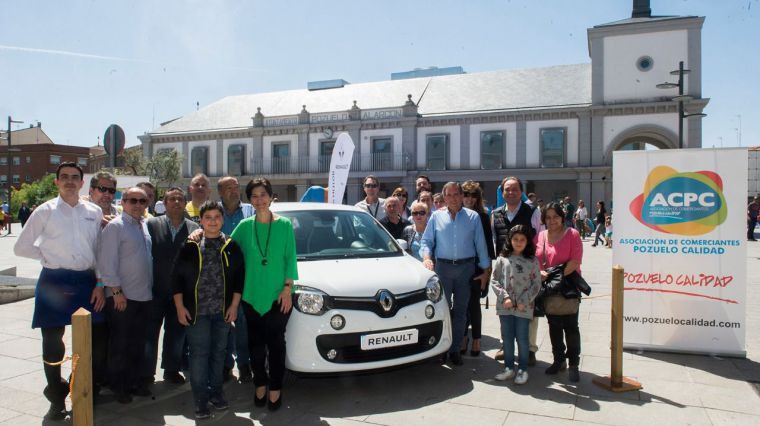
(207, 279)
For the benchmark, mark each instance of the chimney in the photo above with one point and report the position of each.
(641, 9)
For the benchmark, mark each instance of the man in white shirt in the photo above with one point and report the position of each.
(372, 203)
(63, 234)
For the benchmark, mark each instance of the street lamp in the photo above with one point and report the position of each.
(10, 179)
(681, 98)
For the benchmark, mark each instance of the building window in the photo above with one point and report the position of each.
(28, 178)
(55, 159)
(281, 157)
(382, 151)
(16, 161)
(3, 161)
(199, 160)
(16, 178)
(491, 149)
(437, 152)
(325, 154)
(236, 160)
(553, 147)
(4, 179)
(82, 161)
(28, 160)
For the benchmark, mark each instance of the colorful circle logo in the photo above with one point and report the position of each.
(689, 203)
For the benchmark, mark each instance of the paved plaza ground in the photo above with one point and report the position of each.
(678, 389)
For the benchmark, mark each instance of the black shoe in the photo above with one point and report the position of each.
(56, 411)
(202, 413)
(474, 353)
(456, 358)
(574, 374)
(244, 374)
(274, 406)
(443, 358)
(259, 402)
(174, 377)
(219, 403)
(141, 391)
(556, 367)
(531, 359)
(593, 245)
(123, 398)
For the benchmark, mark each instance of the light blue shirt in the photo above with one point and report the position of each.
(125, 259)
(456, 239)
(231, 221)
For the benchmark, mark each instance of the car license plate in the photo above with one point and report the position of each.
(390, 339)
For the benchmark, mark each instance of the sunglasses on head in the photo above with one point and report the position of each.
(370, 185)
(105, 189)
(135, 200)
(419, 213)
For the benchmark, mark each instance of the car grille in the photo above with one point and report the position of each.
(348, 345)
(376, 303)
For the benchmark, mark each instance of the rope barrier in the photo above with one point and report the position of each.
(74, 358)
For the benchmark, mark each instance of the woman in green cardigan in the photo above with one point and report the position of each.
(269, 248)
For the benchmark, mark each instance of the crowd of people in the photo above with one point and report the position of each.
(217, 277)
(455, 235)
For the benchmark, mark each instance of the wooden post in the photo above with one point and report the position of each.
(81, 393)
(615, 382)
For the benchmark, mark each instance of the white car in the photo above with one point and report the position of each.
(361, 302)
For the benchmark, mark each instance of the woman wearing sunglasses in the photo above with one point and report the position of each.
(402, 195)
(413, 233)
(473, 200)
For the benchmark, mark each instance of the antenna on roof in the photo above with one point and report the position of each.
(197, 105)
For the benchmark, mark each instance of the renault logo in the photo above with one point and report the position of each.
(385, 298)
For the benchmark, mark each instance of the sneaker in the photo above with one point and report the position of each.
(507, 374)
(456, 358)
(202, 413)
(556, 367)
(574, 374)
(219, 403)
(521, 378)
(499, 355)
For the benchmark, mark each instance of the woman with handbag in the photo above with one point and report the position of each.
(473, 200)
(561, 246)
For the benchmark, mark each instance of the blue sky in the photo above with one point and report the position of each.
(78, 66)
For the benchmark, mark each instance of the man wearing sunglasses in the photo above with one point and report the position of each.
(124, 264)
(372, 203)
(102, 191)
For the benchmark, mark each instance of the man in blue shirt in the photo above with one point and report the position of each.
(234, 212)
(454, 238)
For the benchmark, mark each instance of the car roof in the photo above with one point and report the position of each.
(306, 206)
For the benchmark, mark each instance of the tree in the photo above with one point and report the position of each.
(134, 161)
(164, 167)
(33, 193)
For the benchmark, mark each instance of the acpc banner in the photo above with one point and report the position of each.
(679, 232)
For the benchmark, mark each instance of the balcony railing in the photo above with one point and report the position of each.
(321, 164)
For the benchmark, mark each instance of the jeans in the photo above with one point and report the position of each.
(237, 343)
(513, 327)
(126, 344)
(751, 223)
(455, 280)
(565, 328)
(164, 312)
(266, 342)
(599, 234)
(208, 341)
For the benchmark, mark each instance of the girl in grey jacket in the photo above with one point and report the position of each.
(516, 280)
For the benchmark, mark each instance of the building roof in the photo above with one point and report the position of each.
(33, 135)
(628, 21)
(557, 86)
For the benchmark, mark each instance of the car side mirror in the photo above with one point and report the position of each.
(402, 244)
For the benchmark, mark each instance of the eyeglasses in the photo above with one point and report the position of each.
(470, 194)
(370, 185)
(105, 189)
(419, 213)
(134, 201)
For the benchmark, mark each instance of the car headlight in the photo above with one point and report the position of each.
(310, 300)
(433, 289)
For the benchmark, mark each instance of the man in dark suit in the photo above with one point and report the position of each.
(167, 233)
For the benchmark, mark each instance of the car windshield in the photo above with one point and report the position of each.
(326, 234)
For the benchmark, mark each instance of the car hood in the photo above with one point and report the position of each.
(364, 277)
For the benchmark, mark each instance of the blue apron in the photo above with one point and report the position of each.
(59, 293)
